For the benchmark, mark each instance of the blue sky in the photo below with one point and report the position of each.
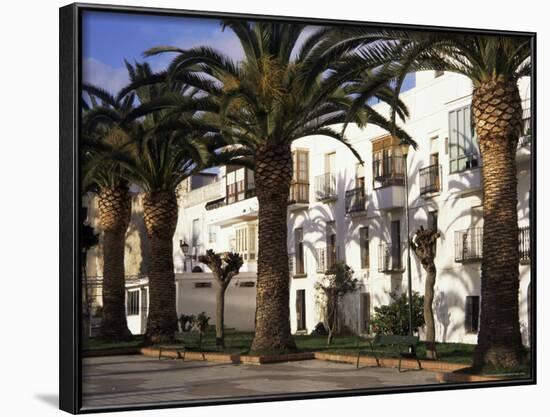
(109, 38)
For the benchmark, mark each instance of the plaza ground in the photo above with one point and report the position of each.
(137, 379)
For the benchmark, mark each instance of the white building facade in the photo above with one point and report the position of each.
(340, 210)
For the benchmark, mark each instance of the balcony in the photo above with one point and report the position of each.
(523, 152)
(388, 181)
(388, 171)
(524, 245)
(390, 257)
(298, 197)
(326, 258)
(356, 201)
(430, 180)
(325, 187)
(202, 194)
(469, 245)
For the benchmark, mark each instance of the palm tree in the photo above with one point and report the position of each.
(101, 132)
(494, 65)
(265, 106)
(165, 150)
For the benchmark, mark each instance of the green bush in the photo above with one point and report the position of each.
(394, 317)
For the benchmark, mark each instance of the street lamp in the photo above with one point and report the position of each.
(185, 249)
(405, 152)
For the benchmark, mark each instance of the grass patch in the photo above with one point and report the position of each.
(92, 343)
(237, 342)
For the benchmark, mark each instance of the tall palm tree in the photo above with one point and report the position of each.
(494, 64)
(170, 142)
(265, 106)
(102, 132)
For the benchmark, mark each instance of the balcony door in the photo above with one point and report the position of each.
(395, 244)
(331, 244)
(301, 310)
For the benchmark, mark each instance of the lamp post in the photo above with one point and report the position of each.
(185, 249)
(405, 151)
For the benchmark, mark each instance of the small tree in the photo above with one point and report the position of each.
(393, 318)
(424, 243)
(224, 267)
(333, 286)
(200, 324)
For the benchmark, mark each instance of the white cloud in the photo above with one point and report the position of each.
(102, 75)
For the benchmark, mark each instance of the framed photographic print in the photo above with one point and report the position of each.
(258, 208)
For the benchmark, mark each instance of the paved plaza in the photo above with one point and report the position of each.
(137, 379)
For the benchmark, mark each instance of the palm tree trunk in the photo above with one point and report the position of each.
(272, 176)
(160, 212)
(497, 116)
(431, 352)
(114, 216)
(220, 310)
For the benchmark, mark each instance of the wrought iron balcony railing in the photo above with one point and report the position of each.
(325, 186)
(469, 245)
(430, 179)
(390, 257)
(388, 171)
(356, 200)
(524, 245)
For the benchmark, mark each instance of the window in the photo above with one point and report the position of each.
(471, 322)
(245, 242)
(330, 162)
(331, 244)
(301, 309)
(299, 251)
(239, 184)
(212, 233)
(299, 188)
(464, 152)
(195, 236)
(432, 220)
(203, 285)
(364, 245)
(360, 176)
(132, 303)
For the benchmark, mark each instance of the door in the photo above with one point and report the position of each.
(396, 244)
(300, 310)
(331, 245)
(365, 313)
(133, 316)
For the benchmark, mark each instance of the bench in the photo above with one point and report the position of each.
(178, 346)
(399, 343)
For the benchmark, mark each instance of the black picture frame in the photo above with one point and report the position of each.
(70, 359)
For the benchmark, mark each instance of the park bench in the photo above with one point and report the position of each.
(405, 347)
(178, 346)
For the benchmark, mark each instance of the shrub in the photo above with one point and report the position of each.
(319, 330)
(186, 321)
(394, 317)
